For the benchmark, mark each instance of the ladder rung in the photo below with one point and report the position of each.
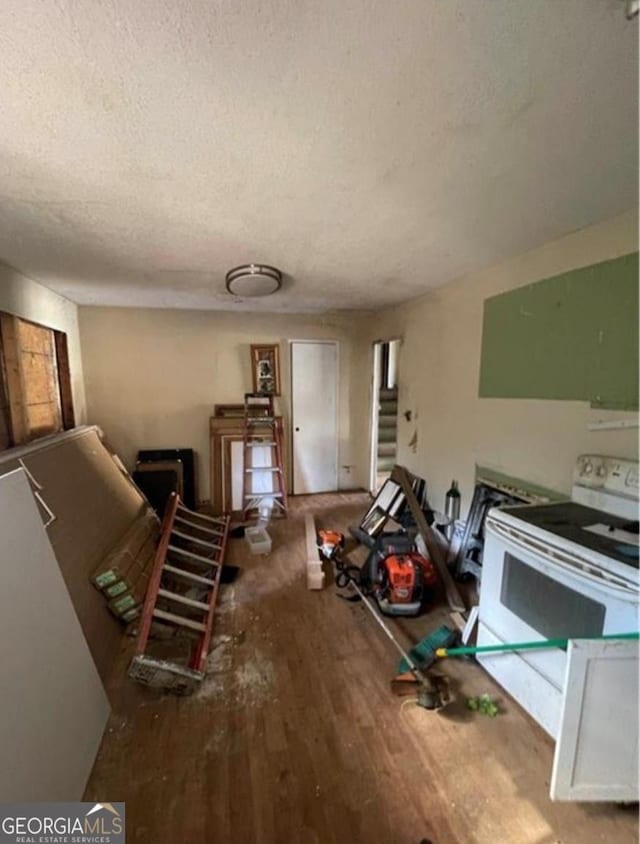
(195, 539)
(188, 575)
(259, 443)
(181, 599)
(252, 496)
(208, 561)
(252, 469)
(180, 620)
(261, 420)
(219, 520)
(214, 531)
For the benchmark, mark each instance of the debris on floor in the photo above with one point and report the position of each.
(484, 704)
(236, 679)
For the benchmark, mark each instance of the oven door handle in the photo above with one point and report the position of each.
(564, 561)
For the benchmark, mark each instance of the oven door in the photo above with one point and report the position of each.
(529, 593)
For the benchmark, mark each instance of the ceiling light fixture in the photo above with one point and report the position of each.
(250, 280)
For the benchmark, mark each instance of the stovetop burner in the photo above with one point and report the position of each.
(609, 535)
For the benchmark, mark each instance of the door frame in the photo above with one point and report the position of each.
(374, 405)
(374, 390)
(326, 342)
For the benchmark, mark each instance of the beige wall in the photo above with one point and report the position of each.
(153, 376)
(30, 300)
(439, 370)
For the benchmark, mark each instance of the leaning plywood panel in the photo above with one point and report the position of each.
(94, 503)
(53, 709)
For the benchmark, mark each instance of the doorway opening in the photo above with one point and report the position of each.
(384, 411)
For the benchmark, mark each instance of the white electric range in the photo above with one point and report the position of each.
(561, 570)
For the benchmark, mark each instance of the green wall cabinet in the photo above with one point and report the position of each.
(573, 336)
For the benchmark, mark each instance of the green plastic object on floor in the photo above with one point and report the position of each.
(424, 653)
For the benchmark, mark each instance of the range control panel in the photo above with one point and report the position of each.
(607, 474)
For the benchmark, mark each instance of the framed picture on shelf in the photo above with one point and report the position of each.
(265, 368)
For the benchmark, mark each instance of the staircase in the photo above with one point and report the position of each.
(387, 432)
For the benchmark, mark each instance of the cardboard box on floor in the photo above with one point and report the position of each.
(95, 505)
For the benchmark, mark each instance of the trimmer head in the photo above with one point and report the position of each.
(429, 698)
(431, 694)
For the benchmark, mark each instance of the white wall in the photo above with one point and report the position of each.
(153, 376)
(54, 709)
(439, 371)
(30, 300)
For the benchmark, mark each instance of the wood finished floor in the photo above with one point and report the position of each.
(295, 737)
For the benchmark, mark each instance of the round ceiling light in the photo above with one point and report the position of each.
(252, 280)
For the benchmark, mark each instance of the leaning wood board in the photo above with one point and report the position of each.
(95, 503)
(399, 475)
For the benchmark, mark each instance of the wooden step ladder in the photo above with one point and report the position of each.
(182, 593)
(262, 430)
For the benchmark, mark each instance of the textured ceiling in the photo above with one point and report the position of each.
(371, 149)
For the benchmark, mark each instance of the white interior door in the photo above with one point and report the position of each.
(53, 709)
(597, 749)
(314, 382)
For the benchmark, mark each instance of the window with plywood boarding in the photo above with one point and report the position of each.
(35, 382)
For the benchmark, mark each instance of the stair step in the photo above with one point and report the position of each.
(386, 464)
(386, 449)
(388, 408)
(388, 394)
(259, 444)
(182, 599)
(188, 575)
(252, 496)
(387, 435)
(180, 620)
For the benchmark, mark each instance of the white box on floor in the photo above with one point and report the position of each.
(258, 540)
